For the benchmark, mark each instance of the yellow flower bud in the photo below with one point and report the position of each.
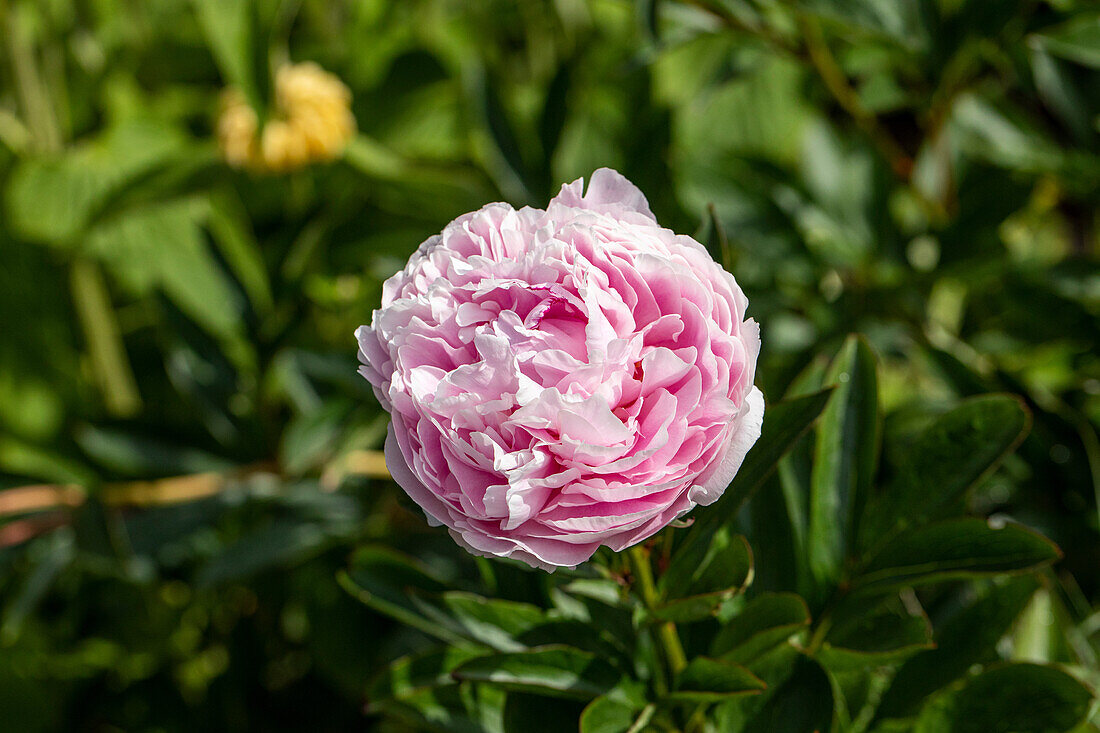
(311, 122)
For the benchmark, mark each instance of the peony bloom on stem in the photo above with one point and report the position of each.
(311, 122)
(563, 379)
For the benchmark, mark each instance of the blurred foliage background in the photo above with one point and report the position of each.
(925, 172)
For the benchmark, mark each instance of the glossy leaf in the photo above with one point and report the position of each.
(624, 709)
(493, 622)
(552, 670)
(953, 454)
(382, 579)
(694, 586)
(845, 459)
(956, 548)
(764, 622)
(967, 638)
(415, 672)
(886, 636)
(802, 704)
(711, 680)
(1026, 698)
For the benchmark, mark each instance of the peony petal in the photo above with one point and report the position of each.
(563, 379)
(745, 434)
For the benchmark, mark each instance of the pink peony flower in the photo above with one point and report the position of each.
(563, 379)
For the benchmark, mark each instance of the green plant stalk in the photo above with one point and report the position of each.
(45, 132)
(827, 68)
(89, 291)
(667, 638)
(112, 368)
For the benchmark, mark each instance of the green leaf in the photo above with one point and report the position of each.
(886, 636)
(1057, 88)
(763, 623)
(141, 456)
(956, 548)
(967, 638)
(164, 246)
(382, 579)
(54, 199)
(284, 542)
(454, 708)
(712, 680)
(1078, 39)
(952, 455)
(1003, 137)
(845, 458)
(48, 557)
(232, 31)
(311, 438)
(489, 621)
(622, 710)
(1023, 698)
(415, 672)
(784, 423)
(497, 141)
(559, 671)
(802, 704)
(695, 585)
(232, 233)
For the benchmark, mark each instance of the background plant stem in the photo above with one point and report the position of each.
(668, 640)
(91, 299)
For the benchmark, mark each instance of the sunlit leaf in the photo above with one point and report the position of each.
(552, 670)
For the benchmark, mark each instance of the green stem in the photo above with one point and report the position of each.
(112, 368)
(667, 638)
(818, 638)
(32, 93)
(836, 82)
(89, 291)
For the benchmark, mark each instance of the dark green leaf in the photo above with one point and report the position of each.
(622, 710)
(711, 680)
(694, 585)
(552, 670)
(310, 438)
(965, 639)
(410, 674)
(1023, 698)
(763, 623)
(1077, 39)
(130, 454)
(489, 621)
(802, 704)
(952, 455)
(955, 548)
(455, 708)
(382, 579)
(886, 636)
(283, 542)
(845, 459)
